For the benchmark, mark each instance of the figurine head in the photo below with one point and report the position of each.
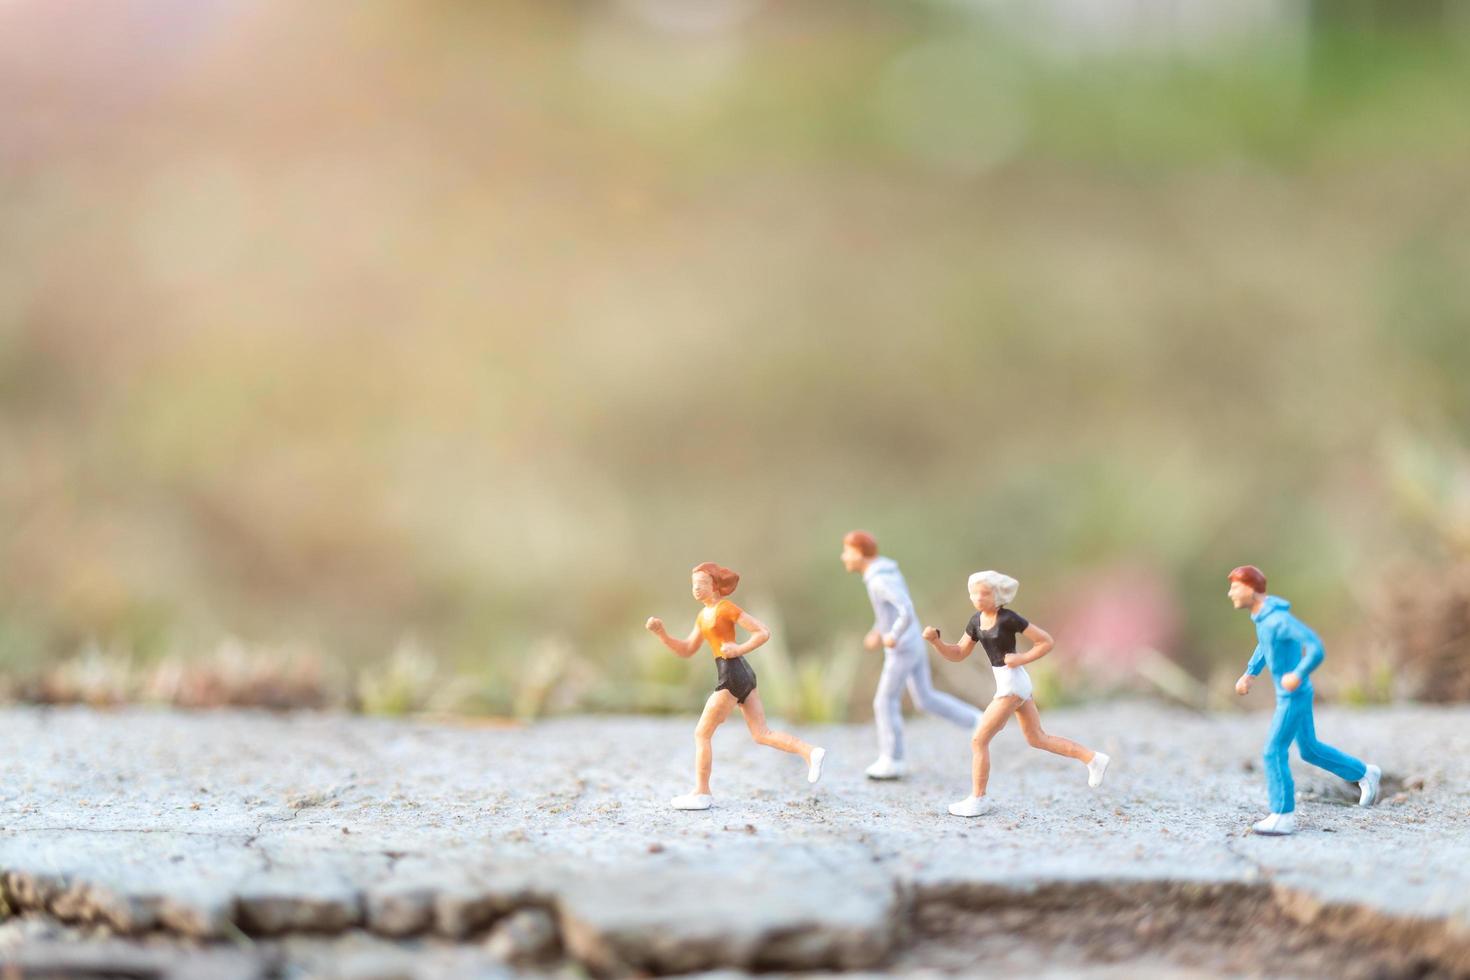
(1247, 585)
(710, 582)
(990, 590)
(858, 548)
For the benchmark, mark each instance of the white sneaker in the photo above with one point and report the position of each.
(692, 801)
(814, 767)
(1096, 768)
(1276, 825)
(1368, 786)
(886, 768)
(970, 806)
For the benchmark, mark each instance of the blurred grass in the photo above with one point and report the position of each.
(481, 326)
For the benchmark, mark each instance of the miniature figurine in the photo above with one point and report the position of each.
(995, 628)
(715, 625)
(905, 660)
(1292, 651)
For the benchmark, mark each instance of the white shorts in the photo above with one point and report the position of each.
(1012, 680)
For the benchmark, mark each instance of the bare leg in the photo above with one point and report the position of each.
(716, 710)
(997, 713)
(755, 720)
(1030, 720)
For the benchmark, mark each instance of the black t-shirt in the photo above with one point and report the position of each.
(1000, 639)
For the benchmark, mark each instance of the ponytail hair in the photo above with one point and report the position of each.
(724, 579)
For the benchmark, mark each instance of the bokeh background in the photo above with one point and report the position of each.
(404, 357)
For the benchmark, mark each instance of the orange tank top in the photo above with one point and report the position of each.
(717, 624)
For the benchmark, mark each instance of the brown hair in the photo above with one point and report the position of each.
(1250, 575)
(862, 541)
(724, 579)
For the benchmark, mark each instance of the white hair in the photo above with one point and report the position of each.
(1002, 585)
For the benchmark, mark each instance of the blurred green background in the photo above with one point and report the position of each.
(406, 356)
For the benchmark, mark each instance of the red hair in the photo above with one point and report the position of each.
(724, 579)
(864, 542)
(1250, 575)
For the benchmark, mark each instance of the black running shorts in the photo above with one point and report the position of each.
(736, 677)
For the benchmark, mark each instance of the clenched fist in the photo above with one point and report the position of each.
(1243, 686)
(931, 633)
(654, 625)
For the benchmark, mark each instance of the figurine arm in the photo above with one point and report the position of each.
(1312, 652)
(1041, 644)
(758, 636)
(1257, 661)
(1252, 669)
(902, 621)
(902, 617)
(684, 648)
(877, 617)
(950, 651)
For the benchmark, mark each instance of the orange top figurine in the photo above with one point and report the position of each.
(717, 624)
(735, 680)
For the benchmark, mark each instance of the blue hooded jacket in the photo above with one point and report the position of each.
(1286, 645)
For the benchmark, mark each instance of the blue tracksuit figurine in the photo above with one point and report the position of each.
(1292, 651)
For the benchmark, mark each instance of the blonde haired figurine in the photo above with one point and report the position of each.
(995, 628)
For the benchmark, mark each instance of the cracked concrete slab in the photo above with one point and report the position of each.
(840, 913)
(225, 825)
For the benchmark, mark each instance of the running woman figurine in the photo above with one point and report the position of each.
(995, 628)
(1292, 651)
(715, 625)
(905, 661)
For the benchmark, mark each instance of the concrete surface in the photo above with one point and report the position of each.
(314, 845)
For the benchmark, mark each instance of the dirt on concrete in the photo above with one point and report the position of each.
(1164, 929)
(248, 844)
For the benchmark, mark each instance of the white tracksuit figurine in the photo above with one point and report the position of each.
(905, 657)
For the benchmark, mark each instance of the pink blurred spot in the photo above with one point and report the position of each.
(1115, 616)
